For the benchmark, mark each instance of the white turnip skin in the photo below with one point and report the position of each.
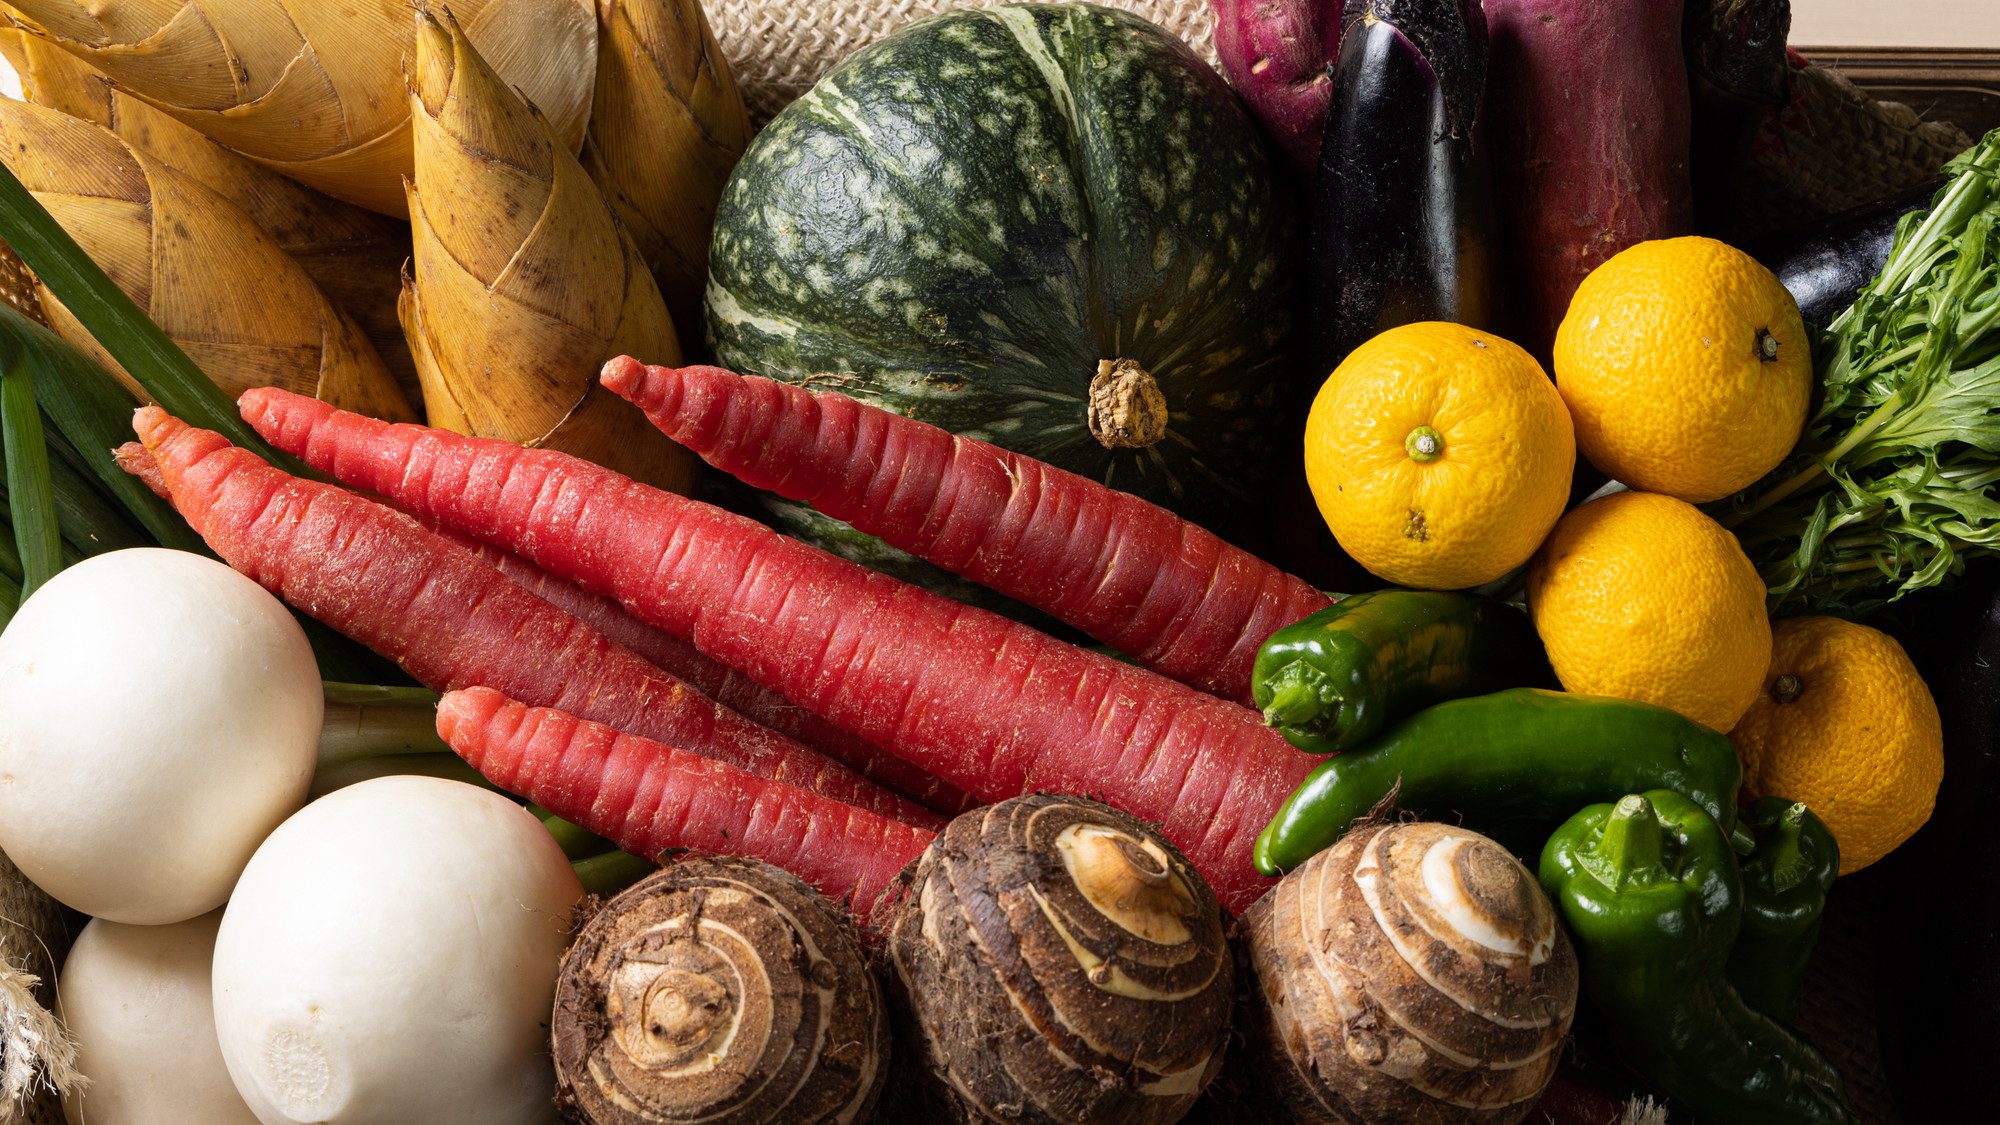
(136, 998)
(390, 958)
(159, 715)
(1275, 53)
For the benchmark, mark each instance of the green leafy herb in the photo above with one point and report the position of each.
(1890, 490)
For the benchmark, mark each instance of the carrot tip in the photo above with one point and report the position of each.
(153, 424)
(621, 374)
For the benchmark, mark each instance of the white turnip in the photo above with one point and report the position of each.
(390, 957)
(159, 715)
(136, 998)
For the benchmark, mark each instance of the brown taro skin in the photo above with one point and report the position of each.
(720, 990)
(1586, 122)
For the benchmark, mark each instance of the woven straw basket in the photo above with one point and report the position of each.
(1834, 149)
(780, 49)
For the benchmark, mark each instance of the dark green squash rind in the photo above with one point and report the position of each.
(961, 220)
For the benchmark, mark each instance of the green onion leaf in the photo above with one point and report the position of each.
(30, 494)
(91, 409)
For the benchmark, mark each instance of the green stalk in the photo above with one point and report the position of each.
(10, 555)
(605, 875)
(156, 362)
(10, 599)
(1629, 852)
(446, 765)
(29, 492)
(1296, 698)
(366, 721)
(90, 408)
(577, 842)
(88, 519)
(1789, 866)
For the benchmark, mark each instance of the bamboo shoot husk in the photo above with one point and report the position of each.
(666, 126)
(354, 255)
(246, 313)
(522, 282)
(314, 89)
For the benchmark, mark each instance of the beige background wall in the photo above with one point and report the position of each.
(1896, 23)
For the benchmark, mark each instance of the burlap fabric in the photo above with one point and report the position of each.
(35, 1053)
(779, 49)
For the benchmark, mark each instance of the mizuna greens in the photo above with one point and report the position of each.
(1889, 490)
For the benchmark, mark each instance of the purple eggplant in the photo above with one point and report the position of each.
(1825, 266)
(1401, 219)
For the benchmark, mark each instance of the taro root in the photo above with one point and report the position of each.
(1058, 962)
(718, 990)
(1413, 973)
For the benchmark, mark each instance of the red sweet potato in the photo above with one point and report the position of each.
(1275, 52)
(1586, 120)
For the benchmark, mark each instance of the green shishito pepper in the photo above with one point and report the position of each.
(1334, 678)
(1785, 883)
(1511, 763)
(1650, 891)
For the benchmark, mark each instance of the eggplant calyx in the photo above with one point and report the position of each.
(1449, 36)
(1127, 409)
(1424, 445)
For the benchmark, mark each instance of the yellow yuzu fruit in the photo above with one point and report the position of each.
(1439, 455)
(1845, 724)
(1643, 597)
(1685, 367)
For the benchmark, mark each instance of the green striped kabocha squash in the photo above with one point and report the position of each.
(1049, 226)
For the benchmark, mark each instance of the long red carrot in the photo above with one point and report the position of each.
(1132, 574)
(449, 619)
(725, 685)
(647, 797)
(983, 702)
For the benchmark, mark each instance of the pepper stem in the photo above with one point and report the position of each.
(1297, 696)
(1787, 864)
(1629, 851)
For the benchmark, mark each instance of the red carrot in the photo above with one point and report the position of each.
(647, 797)
(450, 620)
(1132, 574)
(726, 686)
(983, 702)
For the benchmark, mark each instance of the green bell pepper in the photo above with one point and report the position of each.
(1785, 883)
(1335, 677)
(1650, 891)
(1512, 765)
